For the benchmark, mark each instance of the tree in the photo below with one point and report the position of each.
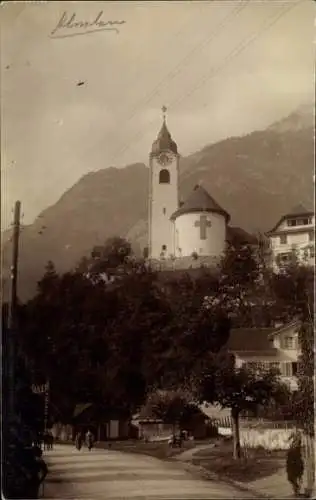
(134, 334)
(108, 260)
(63, 336)
(305, 399)
(306, 370)
(194, 327)
(239, 272)
(236, 388)
(92, 340)
(244, 288)
(293, 290)
(19, 430)
(172, 407)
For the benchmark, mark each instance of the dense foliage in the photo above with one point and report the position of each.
(20, 427)
(172, 407)
(112, 330)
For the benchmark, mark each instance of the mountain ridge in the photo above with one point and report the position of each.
(256, 178)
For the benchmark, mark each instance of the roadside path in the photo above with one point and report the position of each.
(108, 475)
(274, 486)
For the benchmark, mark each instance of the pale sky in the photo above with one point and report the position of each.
(222, 68)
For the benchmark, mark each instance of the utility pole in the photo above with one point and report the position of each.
(46, 405)
(12, 309)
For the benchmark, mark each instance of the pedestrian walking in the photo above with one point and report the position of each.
(295, 464)
(78, 441)
(89, 440)
(50, 440)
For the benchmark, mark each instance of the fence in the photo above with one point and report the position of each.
(256, 433)
(251, 422)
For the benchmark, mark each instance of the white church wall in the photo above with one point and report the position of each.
(163, 203)
(188, 235)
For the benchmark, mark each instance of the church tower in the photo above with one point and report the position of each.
(163, 193)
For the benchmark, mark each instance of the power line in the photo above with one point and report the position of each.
(138, 58)
(175, 71)
(235, 52)
(240, 48)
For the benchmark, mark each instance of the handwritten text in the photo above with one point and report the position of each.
(70, 26)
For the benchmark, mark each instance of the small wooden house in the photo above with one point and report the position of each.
(105, 424)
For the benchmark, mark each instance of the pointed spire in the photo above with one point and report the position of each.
(164, 141)
(164, 111)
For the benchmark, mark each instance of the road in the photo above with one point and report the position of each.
(109, 475)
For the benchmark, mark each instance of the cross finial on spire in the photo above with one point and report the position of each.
(164, 110)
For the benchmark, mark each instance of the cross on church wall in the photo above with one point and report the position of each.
(203, 224)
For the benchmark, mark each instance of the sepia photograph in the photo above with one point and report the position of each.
(158, 249)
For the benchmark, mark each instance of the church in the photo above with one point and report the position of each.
(197, 228)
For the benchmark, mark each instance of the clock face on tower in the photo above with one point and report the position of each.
(165, 159)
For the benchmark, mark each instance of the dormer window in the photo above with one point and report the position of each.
(291, 222)
(299, 222)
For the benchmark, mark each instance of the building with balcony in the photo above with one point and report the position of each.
(266, 348)
(293, 236)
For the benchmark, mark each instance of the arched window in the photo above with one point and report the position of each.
(164, 176)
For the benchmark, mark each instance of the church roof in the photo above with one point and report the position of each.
(164, 141)
(237, 235)
(200, 201)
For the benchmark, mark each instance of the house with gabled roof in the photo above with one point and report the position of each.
(294, 233)
(268, 348)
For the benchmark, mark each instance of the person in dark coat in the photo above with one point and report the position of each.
(78, 441)
(295, 464)
(89, 440)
